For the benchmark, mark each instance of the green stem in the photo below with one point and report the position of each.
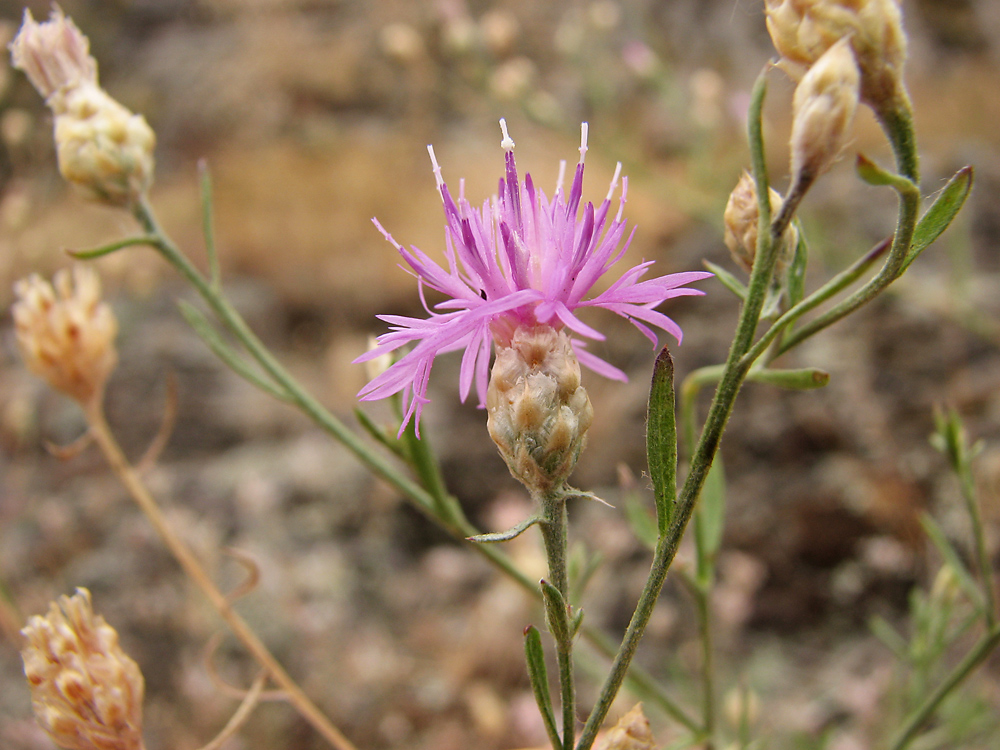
(554, 536)
(923, 713)
(979, 539)
(711, 436)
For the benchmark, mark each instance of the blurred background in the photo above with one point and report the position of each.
(314, 116)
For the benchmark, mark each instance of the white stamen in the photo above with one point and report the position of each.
(461, 190)
(437, 167)
(614, 181)
(584, 129)
(562, 175)
(507, 144)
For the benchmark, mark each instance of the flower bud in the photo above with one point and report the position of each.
(538, 411)
(101, 146)
(741, 218)
(803, 30)
(632, 732)
(66, 333)
(822, 111)
(86, 692)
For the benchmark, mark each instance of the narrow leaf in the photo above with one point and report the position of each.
(103, 250)
(505, 536)
(873, 174)
(641, 520)
(535, 657)
(796, 277)
(661, 439)
(223, 351)
(937, 218)
(727, 280)
(556, 615)
(951, 557)
(805, 379)
(377, 433)
(891, 639)
(710, 521)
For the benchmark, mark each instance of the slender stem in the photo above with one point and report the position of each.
(192, 567)
(711, 436)
(707, 667)
(920, 716)
(554, 536)
(979, 540)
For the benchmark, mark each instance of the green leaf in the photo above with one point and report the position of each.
(103, 250)
(556, 613)
(937, 218)
(378, 433)
(223, 351)
(661, 439)
(727, 280)
(506, 536)
(873, 174)
(641, 520)
(951, 557)
(805, 379)
(538, 675)
(796, 276)
(891, 639)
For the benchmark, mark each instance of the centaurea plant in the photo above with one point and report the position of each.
(516, 274)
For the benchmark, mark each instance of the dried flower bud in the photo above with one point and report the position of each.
(822, 111)
(803, 30)
(630, 733)
(66, 333)
(102, 147)
(741, 218)
(86, 692)
(538, 411)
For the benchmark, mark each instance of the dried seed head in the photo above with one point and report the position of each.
(630, 733)
(538, 411)
(803, 30)
(822, 111)
(66, 332)
(740, 219)
(55, 55)
(102, 147)
(86, 692)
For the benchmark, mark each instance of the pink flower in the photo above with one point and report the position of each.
(523, 260)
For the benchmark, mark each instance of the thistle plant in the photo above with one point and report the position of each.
(516, 274)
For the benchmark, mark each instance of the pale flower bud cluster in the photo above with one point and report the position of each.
(86, 692)
(101, 146)
(66, 332)
(803, 30)
(538, 411)
(822, 111)
(741, 219)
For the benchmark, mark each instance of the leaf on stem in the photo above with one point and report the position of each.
(203, 328)
(937, 218)
(727, 279)
(804, 379)
(661, 439)
(538, 675)
(506, 536)
(875, 175)
(710, 522)
(796, 275)
(890, 638)
(377, 433)
(556, 612)
(954, 560)
(99, 252)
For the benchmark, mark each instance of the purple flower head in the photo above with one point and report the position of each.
(523, 259)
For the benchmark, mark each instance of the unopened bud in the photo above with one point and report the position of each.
(803, 30)
(66, 332)
(632, 732)
(86, 692)
(741, 218)
(538, 411)
(101, 146)
(822, 111)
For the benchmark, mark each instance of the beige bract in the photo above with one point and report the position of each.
(538, 411)
(632, 732)
(86, 692)
(101, 146)
(822, 111)
(803, 30)
(740, 221)
(66, 332)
